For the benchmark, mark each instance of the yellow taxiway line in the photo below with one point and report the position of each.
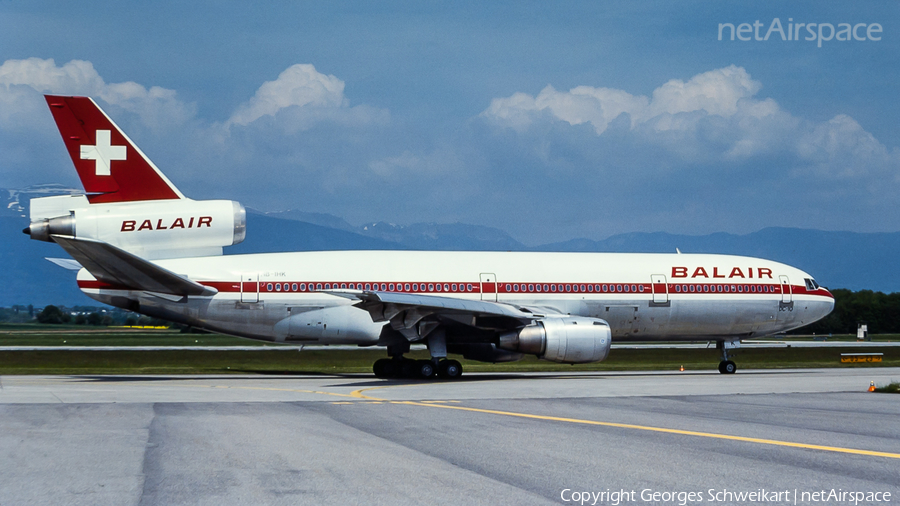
(837, 449)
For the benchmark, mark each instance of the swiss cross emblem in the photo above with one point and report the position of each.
(103, 153)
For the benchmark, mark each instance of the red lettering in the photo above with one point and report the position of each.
(205, 220)
(191, 224)
(750, 270)
(159, 225)
(179, 223)
(736, 273)
(679, 272)
(699, 272)
(716, 273)
(128, 226)
(146, 226)
(763, 270)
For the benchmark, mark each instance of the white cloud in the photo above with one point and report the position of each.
(23, 81)
(717, 92)
(714, 116)
(299, 85)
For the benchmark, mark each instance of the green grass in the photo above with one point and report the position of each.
(891, 388)
(80, 335)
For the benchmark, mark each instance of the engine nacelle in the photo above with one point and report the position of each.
(149, 229)
(569, 340)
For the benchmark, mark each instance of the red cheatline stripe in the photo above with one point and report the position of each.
(673, 289)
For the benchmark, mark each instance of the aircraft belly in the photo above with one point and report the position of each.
(688, 319)
(341, 324)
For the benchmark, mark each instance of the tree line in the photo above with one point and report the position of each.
(880, 311)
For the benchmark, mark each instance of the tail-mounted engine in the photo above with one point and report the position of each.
(570, 340)
(149, 229)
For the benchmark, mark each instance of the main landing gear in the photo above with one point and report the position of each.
(727, 366)
(402, 367)
(399, 366)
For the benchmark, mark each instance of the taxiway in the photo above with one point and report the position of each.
(519, 438)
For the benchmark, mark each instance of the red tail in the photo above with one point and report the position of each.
(111, 167)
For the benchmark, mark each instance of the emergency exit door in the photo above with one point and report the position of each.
(250, 288)
(660, 289)
(786, 292)
(488, 287)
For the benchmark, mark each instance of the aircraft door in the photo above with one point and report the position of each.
(250, 288)
(488, 287)
(660, 289)
(786, 292)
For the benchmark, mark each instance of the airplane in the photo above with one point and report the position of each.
(141, 245)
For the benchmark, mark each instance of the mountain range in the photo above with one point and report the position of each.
(837, 259)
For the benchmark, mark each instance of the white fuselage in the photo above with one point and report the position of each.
(283, 296)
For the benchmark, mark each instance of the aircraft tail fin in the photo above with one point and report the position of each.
(111, 167)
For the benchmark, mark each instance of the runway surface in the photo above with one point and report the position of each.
(488, 439)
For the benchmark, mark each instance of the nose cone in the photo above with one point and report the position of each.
(823, 305)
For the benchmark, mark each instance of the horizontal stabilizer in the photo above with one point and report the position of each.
(66, 263)
(118, 267)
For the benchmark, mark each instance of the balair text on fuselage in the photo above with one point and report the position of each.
(131, 225)
(733, 272)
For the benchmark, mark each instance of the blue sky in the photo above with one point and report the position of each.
(549, 120)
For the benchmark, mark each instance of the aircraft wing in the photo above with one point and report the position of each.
(415, 315)
(116, 266)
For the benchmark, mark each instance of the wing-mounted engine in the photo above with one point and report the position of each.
(149, 229)
(569, 340)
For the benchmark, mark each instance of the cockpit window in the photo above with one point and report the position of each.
(811, 284)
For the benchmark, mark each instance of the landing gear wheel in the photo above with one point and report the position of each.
(727, 367)
(425, 368)
(383, 368)
(450, 369)
(409, 368)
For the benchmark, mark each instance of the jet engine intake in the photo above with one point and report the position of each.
(568, 340)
